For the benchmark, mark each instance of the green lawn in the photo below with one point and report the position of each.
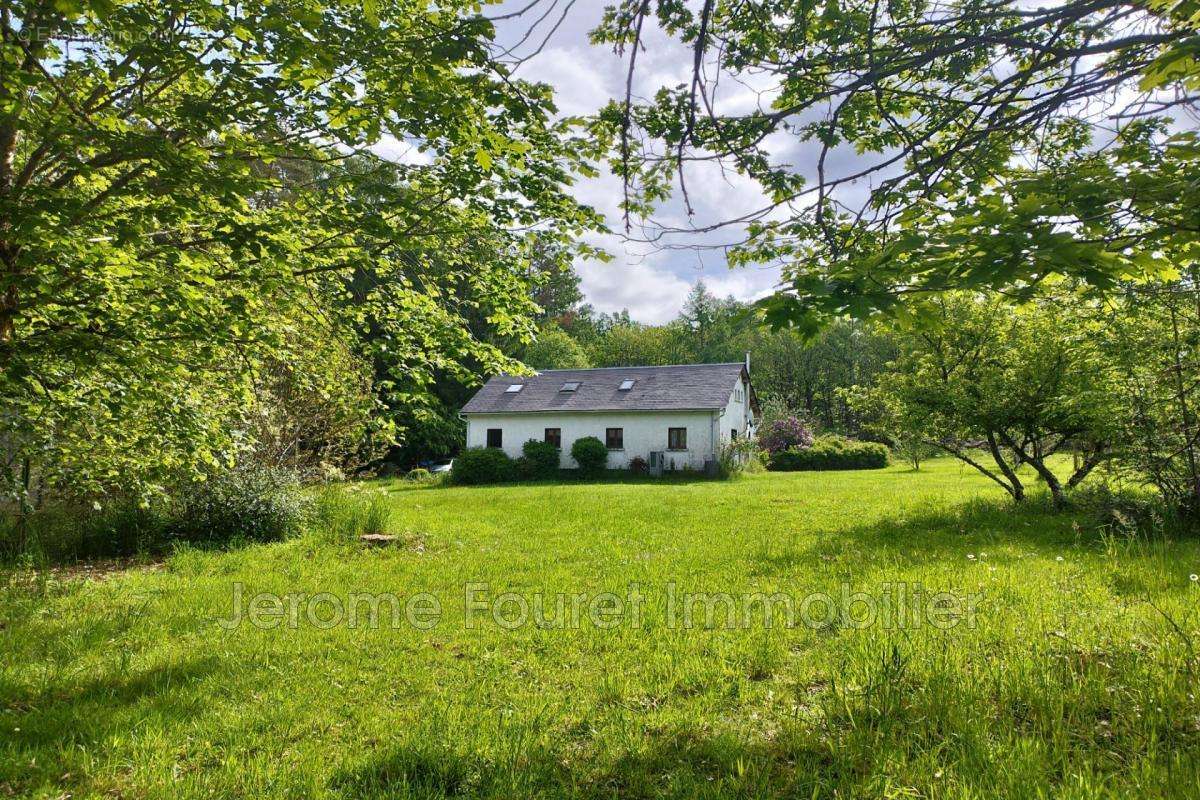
(1077, 677)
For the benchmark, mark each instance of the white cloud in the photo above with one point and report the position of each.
(579, 87)
(401, 152)
(650, 280)
(637, 279)
(746, 284)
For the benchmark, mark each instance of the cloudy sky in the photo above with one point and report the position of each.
(648, 280)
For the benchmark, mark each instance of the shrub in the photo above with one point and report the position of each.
(738, 456)
(542, 458)
(69, 532)
(785, 433)
(250, 503)
(590, 454)
(419, 475)
(831, 452)
(258, 504)
(482, 465)
(523, 468)
(639, 466)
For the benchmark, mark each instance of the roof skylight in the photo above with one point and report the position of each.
(513, 388)
(569, 386)
(626, 385)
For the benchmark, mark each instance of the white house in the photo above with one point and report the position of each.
(683, 412)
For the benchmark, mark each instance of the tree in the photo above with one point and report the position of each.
(554, 349)
(632, 345)
(808, 374)
(555, 282)
(1003, 144)
(1015, 385)
(182, 186)
(714, 325)
(1154, 339)
(317, 413)
(884, 416)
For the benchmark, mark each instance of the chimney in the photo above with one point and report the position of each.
(747, 362)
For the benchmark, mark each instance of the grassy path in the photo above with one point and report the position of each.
(1074, 677)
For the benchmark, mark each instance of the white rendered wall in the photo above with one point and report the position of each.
(737, 414)
(643, 431)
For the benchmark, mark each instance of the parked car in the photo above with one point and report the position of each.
(441, 466)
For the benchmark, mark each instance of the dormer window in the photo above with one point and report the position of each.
(569, 386)
(513, 388)
(626, 385)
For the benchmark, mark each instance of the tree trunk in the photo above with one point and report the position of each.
(1185, 411)
(1086, 465)
(1056, 489)
(1038, 462)
(1016, 488)
(8, 314)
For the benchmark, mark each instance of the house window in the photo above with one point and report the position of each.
(569, 386)
(615, 438)
(733, 433)
(626, 385)
(495, 437)
(554, 437)
(513, 388)
(677, 438)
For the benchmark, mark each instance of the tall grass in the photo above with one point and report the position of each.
(342, 514)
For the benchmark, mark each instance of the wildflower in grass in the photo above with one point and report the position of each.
(1060, 558)
(970, 556)
(1194, 577)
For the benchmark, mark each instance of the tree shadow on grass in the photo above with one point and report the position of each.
(677, 764)
(936, 533)
(435, 770)
(889, 721)
(66, 715)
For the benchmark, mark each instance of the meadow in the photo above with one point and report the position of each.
(1060, 660)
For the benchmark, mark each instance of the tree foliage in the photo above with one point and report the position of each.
(554, 349)
(184, 185)
(1004, 144)
(1154, 341)
(991, 383)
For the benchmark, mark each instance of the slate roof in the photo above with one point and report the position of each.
(674, 388)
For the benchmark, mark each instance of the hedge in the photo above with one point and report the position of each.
(829, 453)
(482, 465)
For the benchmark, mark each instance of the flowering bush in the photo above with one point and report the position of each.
(785, 433)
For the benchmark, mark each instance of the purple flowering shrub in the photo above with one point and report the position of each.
(784, 433)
